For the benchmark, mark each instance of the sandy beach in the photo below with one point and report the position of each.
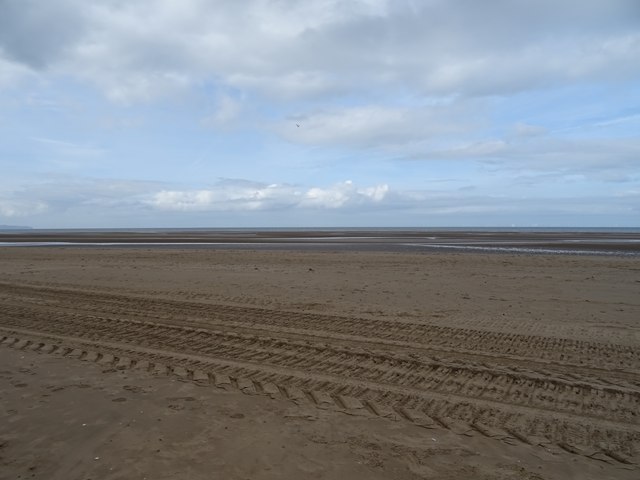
(165, 363)
(319, 240)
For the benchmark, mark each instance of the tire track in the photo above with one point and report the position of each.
(424, 373)
(556, 405)
(619, 359)
(434, 413)
(467, 383)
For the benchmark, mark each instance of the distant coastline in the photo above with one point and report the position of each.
(14, 227)
(408, 229)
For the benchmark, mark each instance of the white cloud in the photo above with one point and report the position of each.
(89, 202)
(288, 86)
(536, 153)
(60, 193)
(138, 86)
(363, 126)
(342, 195)
(522, 129)
(69, 149)
(11, 73)
(21, 208)
(227, 110)
(234, 195)
(140, 50)
(224, 197)
(548, 62)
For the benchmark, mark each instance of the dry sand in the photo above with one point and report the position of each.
(272, 364)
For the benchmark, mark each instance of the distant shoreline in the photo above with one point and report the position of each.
(591, 242)
(222, 230)
(10, 228)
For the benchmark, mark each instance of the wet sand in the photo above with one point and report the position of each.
(521, 366)
(391, 240)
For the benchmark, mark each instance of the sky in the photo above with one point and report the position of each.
(319, 113)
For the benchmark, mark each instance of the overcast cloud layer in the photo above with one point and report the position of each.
(319, 113)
